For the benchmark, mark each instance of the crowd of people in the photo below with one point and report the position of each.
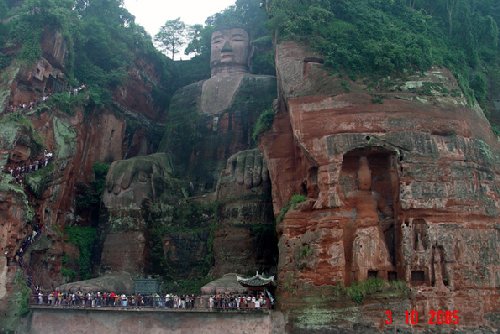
(34, 104)
(217, 302)
(225, 301)
(35, 234)
(19, 172)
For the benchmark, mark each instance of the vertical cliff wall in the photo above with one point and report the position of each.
(79, 134)
(402, 183)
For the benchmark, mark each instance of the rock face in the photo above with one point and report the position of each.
(402, 183)
(78, 139)
(244, 240)
(130, 185)
(121, 281)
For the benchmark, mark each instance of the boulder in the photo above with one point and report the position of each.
(226, 284)
(119, 282)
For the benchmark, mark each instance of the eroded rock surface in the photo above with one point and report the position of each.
(120, 282)
(130, 185)
(78, 139)
(244, 239)
(402, 186)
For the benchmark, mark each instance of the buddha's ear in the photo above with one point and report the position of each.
(250, 56)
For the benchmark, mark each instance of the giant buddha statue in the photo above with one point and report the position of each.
(219, 113)
(218, 155)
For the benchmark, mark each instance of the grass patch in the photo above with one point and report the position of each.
(359, 290)
(292, 203)
(400, 287)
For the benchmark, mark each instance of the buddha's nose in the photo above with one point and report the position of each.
(227, 47)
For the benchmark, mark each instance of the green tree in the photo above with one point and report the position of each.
(195, 37)
(3, 9)
(172, 36)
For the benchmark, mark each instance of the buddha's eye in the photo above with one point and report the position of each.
(237, 38)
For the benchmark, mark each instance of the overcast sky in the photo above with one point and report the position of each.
(152, 14)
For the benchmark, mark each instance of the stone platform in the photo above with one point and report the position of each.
(54, 320)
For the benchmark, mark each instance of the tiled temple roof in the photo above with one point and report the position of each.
(256, 281)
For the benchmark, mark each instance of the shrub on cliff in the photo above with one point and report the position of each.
(292, 203)
(359, 290)
(84, 238)
(39, 181)
(263, 124)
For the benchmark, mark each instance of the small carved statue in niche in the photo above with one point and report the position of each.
(420, 238)
(439, 279)
(370, 252)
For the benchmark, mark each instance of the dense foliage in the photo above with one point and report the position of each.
(264, 123)
(85, 239)
(385, 37)
(102, 38)
(188, 220)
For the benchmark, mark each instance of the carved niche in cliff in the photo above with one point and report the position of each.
(369, 187)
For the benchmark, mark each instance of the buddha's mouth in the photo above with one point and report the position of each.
(226, 57)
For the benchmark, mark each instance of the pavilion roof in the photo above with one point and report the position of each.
(256, 281)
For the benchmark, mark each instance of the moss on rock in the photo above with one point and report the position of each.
(7, 185)
(17, 305)
(40, 180)
(65, 137)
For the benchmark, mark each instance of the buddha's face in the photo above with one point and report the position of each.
(230, 48)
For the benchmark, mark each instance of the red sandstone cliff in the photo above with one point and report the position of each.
(402, 182)
(78, 140)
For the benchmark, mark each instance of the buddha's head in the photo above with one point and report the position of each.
(229, 51)
(364, 174)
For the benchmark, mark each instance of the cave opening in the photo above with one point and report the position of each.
(417, 277)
